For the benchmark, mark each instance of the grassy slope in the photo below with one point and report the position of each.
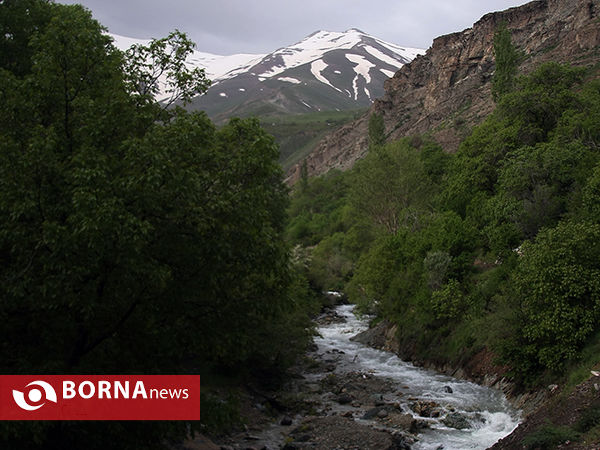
(298, 133)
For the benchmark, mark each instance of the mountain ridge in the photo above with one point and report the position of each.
(327, 70)
(446, 91)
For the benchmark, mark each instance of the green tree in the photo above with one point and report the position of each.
(591, 197)
(376, 131)
(448, 301)
(160, 68)
(389, 188)
(507, 62)
(132, 238)
(558, 286)
(304, 176)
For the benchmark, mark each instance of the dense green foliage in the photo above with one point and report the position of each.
(134, 238)
(549, 436)
(495, 246)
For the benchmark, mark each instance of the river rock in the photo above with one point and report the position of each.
(382, 414)
(330, 316)
(201, 442)
(286, 421)
(406, 422)
(343, 433)
(456, 420)
(372, 413)
(344, 399)
(426, 409)
(399, 442)
(373, 337)
(377, 399)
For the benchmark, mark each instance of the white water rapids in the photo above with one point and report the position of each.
(487, 410)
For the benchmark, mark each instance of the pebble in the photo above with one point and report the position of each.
(286, 421)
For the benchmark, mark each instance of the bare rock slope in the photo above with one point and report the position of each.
(447, 91)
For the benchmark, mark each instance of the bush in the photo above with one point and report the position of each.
(549, 436)
(558, 284)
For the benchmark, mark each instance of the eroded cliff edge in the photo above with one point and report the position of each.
(447, 91)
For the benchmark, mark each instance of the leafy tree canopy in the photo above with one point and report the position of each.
(134, 237)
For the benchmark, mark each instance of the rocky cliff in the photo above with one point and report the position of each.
(447, 91)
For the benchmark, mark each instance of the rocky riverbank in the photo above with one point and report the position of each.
(479, 369)
(343, 397)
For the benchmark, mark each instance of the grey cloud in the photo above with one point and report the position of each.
(261, 26)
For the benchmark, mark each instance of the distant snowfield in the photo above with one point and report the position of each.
(216, 67)
(309, 51)
(315, 45)
(317, 67)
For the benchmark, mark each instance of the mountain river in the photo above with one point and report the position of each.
(489, 416)
(351, 383)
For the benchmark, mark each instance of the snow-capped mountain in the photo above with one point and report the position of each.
(216, 67)
(325, 71)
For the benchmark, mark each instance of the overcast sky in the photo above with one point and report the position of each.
(262, 26)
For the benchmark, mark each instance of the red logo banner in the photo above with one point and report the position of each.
(99, 397)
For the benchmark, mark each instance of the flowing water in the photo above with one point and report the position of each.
(489, 415)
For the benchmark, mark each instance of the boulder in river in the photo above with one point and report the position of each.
(344, 398)
(372, 413)
(406, 422)
(456, 420)
(426, 409)
(399, 442)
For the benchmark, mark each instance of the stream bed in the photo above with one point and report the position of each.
(484, 413)
(364, 398)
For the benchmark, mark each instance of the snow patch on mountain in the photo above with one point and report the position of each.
(317, 44)
(363, 65)
(362, 68)
(387, 73)
(290, 80)
(317, 67)
(352, 63)
(216, 67)
(382, 56)
(312, 48)
(219, 67)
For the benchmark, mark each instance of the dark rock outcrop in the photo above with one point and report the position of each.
(447, 91)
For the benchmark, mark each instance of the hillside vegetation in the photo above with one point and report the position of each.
(496, 246)
(297, 134)
(134, 238)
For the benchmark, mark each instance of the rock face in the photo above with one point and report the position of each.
(447, 90)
